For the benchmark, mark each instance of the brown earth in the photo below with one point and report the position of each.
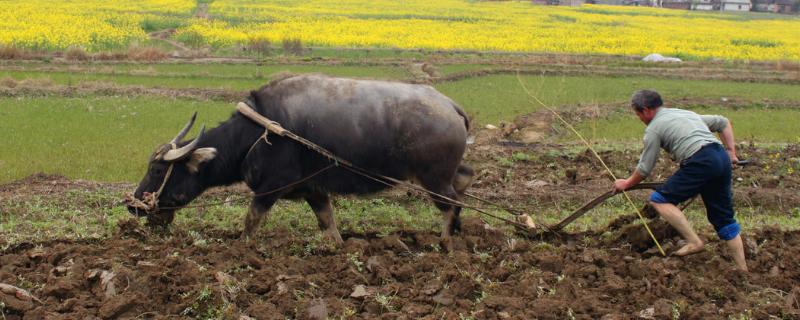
(614, 273)
(400, 276)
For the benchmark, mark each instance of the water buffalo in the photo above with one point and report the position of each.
(404, 131)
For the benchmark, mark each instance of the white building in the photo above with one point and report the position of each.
(706, 5)
(736, 5)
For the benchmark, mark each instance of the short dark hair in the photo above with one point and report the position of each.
(646, 99)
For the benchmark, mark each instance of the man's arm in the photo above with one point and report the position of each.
(726, 136)
(652, 147)
(624, 184)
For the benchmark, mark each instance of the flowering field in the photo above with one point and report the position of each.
(410, 24)
(503, 26)
(94, 25)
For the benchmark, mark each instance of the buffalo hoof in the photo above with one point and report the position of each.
(334, 237)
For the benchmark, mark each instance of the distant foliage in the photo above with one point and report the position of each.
(292, 46)
(260, 46)
(77, 54)
(146, 54)
(11, 52)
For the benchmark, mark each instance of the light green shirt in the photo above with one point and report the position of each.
(679, 132)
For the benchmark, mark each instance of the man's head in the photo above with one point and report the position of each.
(646, 103)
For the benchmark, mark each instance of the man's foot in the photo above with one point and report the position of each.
(690, 248)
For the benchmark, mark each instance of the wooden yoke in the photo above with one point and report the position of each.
(272, 126)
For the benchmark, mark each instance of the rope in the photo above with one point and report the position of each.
(261, 194)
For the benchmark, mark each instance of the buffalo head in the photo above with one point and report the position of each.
(172, 178)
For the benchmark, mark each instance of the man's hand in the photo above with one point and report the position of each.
(621, 185)
(732, 155)
(624, 184)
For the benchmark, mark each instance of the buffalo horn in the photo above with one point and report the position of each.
(185, 130)
(182, 152)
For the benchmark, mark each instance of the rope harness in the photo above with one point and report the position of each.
(150, 202)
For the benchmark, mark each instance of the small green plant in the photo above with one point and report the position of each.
(385, 301)
(353, 257)
(482, 296)
(198, 239)
(484, 256)
(747, 315)
(202, 306)
(504, 162)
(347, 313)
(676, 312)
(570, 314)
(521, 156)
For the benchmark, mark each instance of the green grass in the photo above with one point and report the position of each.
(455, 68)
(110, 138)
(82, 213)
(98, 138)
(232, 77)
(487, 99)
(500, 97)
(86, 214)
(210, 70)
(753, 124)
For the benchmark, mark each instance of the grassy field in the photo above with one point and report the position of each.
(109, 138)
(494, 98)
(212, 76)
(83, 213)
(97, 137)
(755, 123)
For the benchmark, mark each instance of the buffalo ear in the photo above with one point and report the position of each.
(200, 155)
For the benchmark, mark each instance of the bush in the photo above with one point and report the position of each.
(293, 46)
(76, 53)
(11, 53)
(8, 82)
(192, 39)
(146, 54)
(786, 65)
(115, 55)
(260, 46)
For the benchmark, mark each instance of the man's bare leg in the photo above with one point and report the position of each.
(677, 220)
(737, 252)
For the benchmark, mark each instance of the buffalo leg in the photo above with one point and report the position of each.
(462, 181)
(321, 204)
(258, 210)
(451, 222)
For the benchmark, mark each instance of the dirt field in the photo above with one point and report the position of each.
(614, 273)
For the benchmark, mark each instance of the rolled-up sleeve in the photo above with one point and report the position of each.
(652, 147)
(715, 123)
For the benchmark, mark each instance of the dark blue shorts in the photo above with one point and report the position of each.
(708, 173)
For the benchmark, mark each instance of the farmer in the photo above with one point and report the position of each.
(705, 168)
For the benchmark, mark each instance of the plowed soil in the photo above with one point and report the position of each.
(400, 276)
